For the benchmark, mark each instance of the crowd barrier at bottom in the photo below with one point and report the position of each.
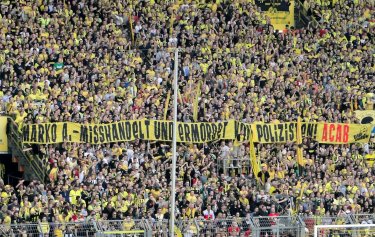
(277, 226)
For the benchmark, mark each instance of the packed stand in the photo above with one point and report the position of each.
(103, 61)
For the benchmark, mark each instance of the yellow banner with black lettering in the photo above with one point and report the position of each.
(154, 130)
(274, 133)
(161, 130)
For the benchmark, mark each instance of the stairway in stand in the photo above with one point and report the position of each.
(11, 170)
(31, 167)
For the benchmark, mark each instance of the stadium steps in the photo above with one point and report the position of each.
(302, 19)
(10, 170)
(31, 166)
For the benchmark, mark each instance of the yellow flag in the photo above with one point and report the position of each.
(303, 186)
(180, 96)
(196, 104)
(177, 231)
(171, 24)
(3, 135)
(167, 105)
(300, 159)
(253, 158)
(131, 23)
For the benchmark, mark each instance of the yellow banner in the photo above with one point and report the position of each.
(3, 135)
(280, 19)
(161, 130)
(341, 133)
(155, 130)
(253, 159)
(330, 133)
(274, 133)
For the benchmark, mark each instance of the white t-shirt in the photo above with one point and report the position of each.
(225, 151)
(130, 154)
(209, 214)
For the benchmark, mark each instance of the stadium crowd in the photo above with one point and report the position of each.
(104, 61)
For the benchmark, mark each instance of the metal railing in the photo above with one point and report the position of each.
(237, 165)
(225, 227)
(188, 227)
(159, 227)
(20, 230)
(123, 228)
(82, 229)
(363, 219)
(127, 227)
(311, 221)
(303, 16)
(276, 226)
(34, 166)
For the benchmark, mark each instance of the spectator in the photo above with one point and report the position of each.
(264, 175)
(209, 214)
(234, 229)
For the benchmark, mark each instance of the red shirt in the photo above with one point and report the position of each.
(273, 215)
(233, 230)
(273, 218)
(309, 222)
(135, 18)
(322, 32)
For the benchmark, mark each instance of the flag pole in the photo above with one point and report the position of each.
(174, 146)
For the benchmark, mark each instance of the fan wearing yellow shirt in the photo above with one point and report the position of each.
(244, 201)
(7, 220)
(73, 194)
(20, 116)
(320, 209)
(128, 223)
(191, 211)
(155, 193)
(191, 198)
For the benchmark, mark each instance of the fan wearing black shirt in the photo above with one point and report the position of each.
(263, 175)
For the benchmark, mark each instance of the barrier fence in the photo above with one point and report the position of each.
(231, 227)
(122, 228)
(19, 230)
(342, 219)
(363, 219)
(276, 226)
(311, 221)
